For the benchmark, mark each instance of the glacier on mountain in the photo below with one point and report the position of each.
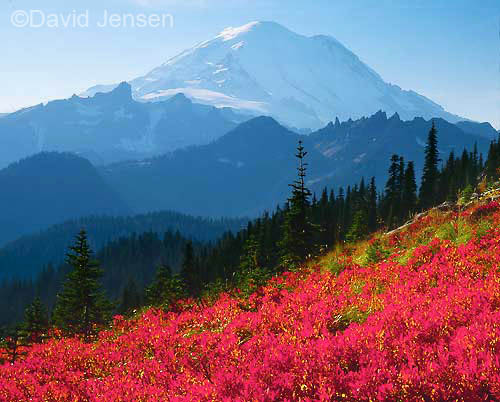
(262, 68)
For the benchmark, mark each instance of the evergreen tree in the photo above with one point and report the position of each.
(13, 342)
(189, 271)
(372, 206)
(324, 217)
(81, 305)
(401, 175)
(493, 162)
(347, 212)
(166, 289)
(401, 182)
(429, 186)
(252, 272)
(359, 227)
(475, 168)
(362, 193)
(131, 298)
(340, 204)
(465, 169)
(449, 180)
(392, 197)
(251, 257)
(409, 196)
(298, 232)
(36, 322)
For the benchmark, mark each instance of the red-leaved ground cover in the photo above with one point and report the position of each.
(423, 324)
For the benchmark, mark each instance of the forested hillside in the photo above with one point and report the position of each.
(407, 315)
(27, 255)
(50, 188)
(247, 170)
(129, 265)
(260, 250)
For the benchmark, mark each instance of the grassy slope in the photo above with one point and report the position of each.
(410, 315)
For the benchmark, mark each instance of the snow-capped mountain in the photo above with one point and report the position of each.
(264, 68)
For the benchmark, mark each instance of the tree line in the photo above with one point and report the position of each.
(25, 256)
(282, 240)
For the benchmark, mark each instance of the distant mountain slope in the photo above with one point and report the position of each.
(249, 169)
(49, 188)
(111, 127)
(485, 130)
(28, 254)
(264, 68)
(236, 175)
(363, 147)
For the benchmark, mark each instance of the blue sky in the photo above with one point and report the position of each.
(448, 50)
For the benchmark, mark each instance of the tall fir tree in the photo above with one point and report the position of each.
(409, 196)
(347, 211)
(251, 258)
(449, 179)
(493, 162)
(81, 306)
(340, 203)
(362, 193)
(401, 181)
(429, 186)
(392, 197)
(401, 175)
(372, 206)
(323, 215)
(298, 232)
(475, 169)
(190, 271)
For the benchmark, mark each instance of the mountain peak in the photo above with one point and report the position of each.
(121, 93)
(232, 32)
(380, 115)
(266, 27)
(180, 99)
(123, 90)
(262, 121)
(395, 116)
(263, 68)
(260, 127)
